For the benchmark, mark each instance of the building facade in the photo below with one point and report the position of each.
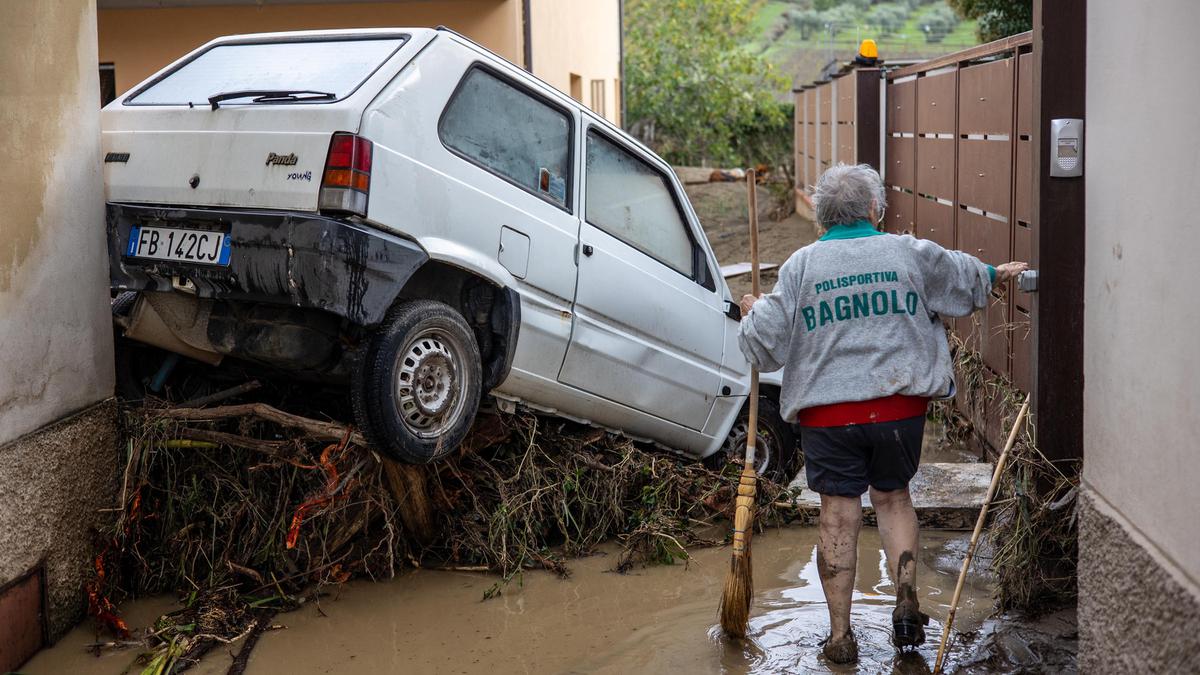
(58, 444)
(575, 45)
(1139, 548)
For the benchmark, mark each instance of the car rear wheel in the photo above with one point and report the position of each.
(775, 446)
(417, 389)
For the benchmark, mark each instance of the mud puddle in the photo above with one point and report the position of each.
(652, 620)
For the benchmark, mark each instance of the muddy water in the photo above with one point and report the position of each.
(653, 620)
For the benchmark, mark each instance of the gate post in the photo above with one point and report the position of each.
(1059, 46)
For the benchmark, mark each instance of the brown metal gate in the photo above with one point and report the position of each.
(956, 154)
(959, 168)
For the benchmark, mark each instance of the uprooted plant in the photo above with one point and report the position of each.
(1033, 526)
(245, 510)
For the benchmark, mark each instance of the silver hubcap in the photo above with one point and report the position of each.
(764, 449)
(430, 383)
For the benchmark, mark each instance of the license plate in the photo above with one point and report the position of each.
(168, 243)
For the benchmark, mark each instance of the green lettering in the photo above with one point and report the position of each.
(862, 306)
(910, 301)
(810, 317)
(826, 313)
(896, 308)
(841, 305)
(879, 303)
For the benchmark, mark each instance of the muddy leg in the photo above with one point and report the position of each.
(837, 557)
(898, 529)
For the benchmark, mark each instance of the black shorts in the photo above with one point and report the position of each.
(843, 461)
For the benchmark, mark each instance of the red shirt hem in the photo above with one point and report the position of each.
(886, 409)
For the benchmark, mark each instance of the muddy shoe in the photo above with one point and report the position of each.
(908, 626)
(842, 650)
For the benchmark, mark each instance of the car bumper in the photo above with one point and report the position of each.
(277, 257)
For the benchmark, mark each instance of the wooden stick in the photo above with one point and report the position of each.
(962, 575)
(751, 436)
(221, 395)
(325, 431)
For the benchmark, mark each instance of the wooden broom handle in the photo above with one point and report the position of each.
(752, 429)
(991, 494)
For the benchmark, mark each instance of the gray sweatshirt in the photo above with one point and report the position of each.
(855, 316)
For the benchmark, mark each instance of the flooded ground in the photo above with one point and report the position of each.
(652, 620)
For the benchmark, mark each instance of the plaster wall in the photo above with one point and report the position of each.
(1141, 365)
(54, 316)
(139, 42)
(58, 445)
(581, 37)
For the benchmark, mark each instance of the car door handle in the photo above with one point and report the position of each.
(588, 250)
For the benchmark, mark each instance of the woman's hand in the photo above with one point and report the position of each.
(1009, 270)
(749, 300)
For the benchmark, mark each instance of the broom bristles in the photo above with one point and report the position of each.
(739, 583)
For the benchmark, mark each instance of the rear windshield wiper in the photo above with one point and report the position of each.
(272, 96)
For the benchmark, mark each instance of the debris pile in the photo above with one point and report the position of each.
(1032, 527)
(245, 510)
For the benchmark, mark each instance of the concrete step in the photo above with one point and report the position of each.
(947, 495)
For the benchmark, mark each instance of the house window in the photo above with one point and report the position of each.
(598, 97)
(108, 84)
(577, 87)
(510, 133)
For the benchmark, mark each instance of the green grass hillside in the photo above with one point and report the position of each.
(792, 34)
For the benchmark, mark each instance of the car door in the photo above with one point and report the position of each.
(648, 324)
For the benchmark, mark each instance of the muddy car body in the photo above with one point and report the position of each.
(409, 213)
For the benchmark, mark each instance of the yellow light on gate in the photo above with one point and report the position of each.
(868, 49)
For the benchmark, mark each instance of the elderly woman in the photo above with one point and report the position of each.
(855, 322)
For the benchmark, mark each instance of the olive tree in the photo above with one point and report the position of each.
(691, 84)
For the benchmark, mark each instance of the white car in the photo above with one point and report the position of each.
(405, 211)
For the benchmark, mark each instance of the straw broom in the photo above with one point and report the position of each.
(962, 575)
(739, 582)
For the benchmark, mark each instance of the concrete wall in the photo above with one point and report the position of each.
(138, 42)
(580, 37)
(54, 316)
(1142, 368)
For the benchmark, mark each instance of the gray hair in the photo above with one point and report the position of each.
(845, 193)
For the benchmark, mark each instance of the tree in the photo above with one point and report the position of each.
(806, 21)
(937, 23)
(887, 17)
(997, 18)
(690, 85)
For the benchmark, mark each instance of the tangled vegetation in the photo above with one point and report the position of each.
(1033, 522)
(244, 511)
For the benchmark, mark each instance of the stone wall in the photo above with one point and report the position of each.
(58, 446)
(1137, 613)
(59, 479)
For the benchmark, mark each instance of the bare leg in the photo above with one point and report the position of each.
(898, 529)
(837, 558)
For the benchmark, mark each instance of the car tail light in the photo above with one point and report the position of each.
(347, 178)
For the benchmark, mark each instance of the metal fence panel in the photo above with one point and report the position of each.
(985, 95)
(935, 221)
(935, 167)
(985, 175)
(935, 104)
(901, 107)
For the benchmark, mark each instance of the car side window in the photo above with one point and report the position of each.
(632, 201)
(511, 133)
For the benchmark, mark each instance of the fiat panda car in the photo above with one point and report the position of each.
(406, 213)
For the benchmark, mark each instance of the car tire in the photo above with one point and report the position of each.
(417, 387)
(777, 451)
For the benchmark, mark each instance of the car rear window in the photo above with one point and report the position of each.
(334, 66)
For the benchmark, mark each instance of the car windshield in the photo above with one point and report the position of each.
(334, 66)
